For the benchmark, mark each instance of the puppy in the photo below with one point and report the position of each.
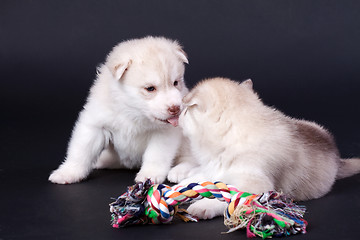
(236, 139)
(131, 113)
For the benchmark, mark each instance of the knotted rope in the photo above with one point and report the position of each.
(266, 215)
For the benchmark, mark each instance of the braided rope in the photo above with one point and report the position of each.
(266, 215)
(162, 198)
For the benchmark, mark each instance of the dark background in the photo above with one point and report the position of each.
(303, 57)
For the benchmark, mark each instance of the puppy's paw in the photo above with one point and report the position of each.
(65, 175)
(207, 208)
(156, 175)
(177, 174)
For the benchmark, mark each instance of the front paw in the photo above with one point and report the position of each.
(207, 208)
(178, 173)
(65, 175)
(156, 175)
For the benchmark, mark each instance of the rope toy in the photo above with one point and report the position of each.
(266, 215)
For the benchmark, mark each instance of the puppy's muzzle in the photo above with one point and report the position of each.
(174, 110)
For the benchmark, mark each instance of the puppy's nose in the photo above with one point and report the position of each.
(174, 109)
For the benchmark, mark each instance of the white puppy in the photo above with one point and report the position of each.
(131, 113)
(237, 139)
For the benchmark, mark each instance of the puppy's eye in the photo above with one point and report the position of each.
(176, 83)
(150, 89)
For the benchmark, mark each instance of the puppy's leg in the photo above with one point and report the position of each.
(109, 159)
(84, 148)
(185, 163)
(251, 182)
(180, 171)
(207, 208)
(158, 156)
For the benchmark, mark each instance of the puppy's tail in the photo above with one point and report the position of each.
(348, 167)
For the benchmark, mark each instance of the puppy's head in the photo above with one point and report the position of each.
(209, 105)
(149, 72)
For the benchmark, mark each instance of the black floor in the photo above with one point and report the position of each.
(33, 208)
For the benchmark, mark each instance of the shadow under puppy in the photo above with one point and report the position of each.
(237, 139)
(130, 114)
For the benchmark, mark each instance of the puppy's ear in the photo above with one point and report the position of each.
(248, 83)
(182, 55)
(120, 69)
(189, 100)
(192, 101)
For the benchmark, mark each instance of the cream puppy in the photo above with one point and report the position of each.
(236, 139)
(131, 113)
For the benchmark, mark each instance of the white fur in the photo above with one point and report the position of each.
(123, 123)
(236, 139)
